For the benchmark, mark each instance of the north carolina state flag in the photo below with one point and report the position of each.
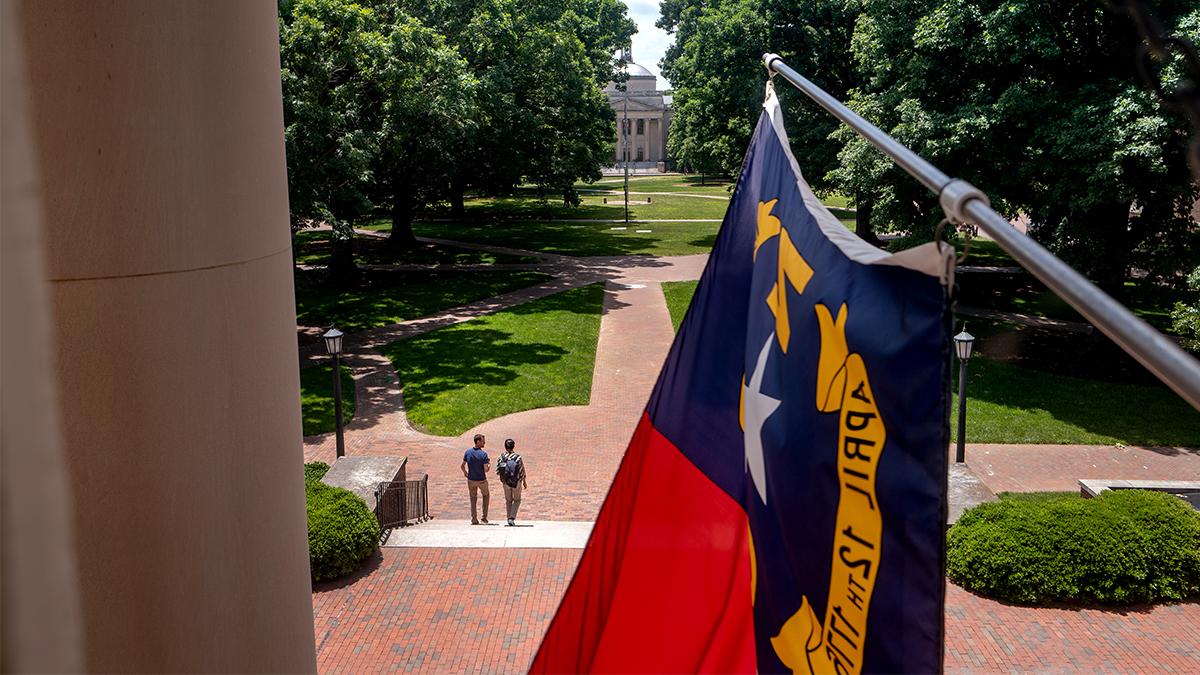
(781, 506)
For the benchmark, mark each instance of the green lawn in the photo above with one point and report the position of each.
(400, 296)
(1025, 294)
(316, 399)
(593, 206)
(312, 248)
(583, 239)
(1011, 404)
(678, 183)
(679, 296)
(535, 355)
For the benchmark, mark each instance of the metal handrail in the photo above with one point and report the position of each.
(963, 202)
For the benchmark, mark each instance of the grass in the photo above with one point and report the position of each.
(677, 183)
(312, 248)
(593, 206)
(535, 355)
(316, 399)
(400, 296)
(1011, 404)
(1024, 294)
(583, 239)
(679, 297)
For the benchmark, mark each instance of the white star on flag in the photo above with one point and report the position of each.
(756, 408)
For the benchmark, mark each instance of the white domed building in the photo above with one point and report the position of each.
(648, 114)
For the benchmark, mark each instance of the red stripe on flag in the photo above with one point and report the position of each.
(664, 583)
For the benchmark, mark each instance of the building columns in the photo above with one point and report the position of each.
(157, 138)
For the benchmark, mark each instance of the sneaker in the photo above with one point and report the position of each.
(511, 522)
(485, 521)
(476, 522)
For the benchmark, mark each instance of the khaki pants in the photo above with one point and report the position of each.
(473, 488)
(512, 499)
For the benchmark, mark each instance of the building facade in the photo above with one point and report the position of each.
(643, 119)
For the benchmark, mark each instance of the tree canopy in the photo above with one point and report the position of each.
(1036, 102)
(397, 104)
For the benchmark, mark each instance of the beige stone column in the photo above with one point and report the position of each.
(41, 617)
(158, 129)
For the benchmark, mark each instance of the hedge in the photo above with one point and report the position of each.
(1124, 546)
(342, 530)
(315, 471)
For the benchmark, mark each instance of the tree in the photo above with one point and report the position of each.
(715, 65)
(540, 66)
(1037, 103)
(426, 102)
(327, 51)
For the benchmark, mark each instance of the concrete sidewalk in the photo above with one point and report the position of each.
(459, 533)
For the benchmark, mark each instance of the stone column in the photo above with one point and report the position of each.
(158, 130)
(41, 624)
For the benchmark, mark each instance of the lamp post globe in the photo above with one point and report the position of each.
(962, 346)
(333, 345)
(333, 341)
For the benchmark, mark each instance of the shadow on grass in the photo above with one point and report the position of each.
(1133, 414)
(575, 301)
(442, 361)
(590, 239)
(392, 297)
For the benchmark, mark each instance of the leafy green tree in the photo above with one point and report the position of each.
(426, 100)
(540, 66)
(1037, 103)
(715, 65)
(1185, 317)
(328, 52)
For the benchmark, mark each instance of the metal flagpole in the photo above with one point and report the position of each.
(963, 202)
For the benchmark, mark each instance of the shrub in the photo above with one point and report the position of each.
(1124, 546)
(1185, 318)
(315, 471)
(342, 530)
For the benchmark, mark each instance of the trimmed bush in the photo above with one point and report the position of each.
(1124, 546)
(315, 471)
(342, 531)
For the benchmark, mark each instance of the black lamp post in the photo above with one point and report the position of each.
(333, 345)
(962, 345)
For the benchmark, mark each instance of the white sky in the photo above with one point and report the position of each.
(649, 43)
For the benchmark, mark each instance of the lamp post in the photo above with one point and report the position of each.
(962, 345)
(333, 345)
(625, 135)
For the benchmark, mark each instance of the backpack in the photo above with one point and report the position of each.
(508, 470)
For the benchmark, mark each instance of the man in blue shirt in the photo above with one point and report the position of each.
(475, 466)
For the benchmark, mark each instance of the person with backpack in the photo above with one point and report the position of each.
(511, 470)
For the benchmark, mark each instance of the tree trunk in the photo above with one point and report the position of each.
(402, 236)
(862, 221)
(343, 273)
(458, 188)
(1108, 225)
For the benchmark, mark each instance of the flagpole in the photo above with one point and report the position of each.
(963, 202)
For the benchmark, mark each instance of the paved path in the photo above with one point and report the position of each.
(412, 609)
(411, 606)
(524, 534)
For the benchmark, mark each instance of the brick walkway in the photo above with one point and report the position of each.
(446, 610)
(438, 610)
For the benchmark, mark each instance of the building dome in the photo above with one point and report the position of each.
(638, 71)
